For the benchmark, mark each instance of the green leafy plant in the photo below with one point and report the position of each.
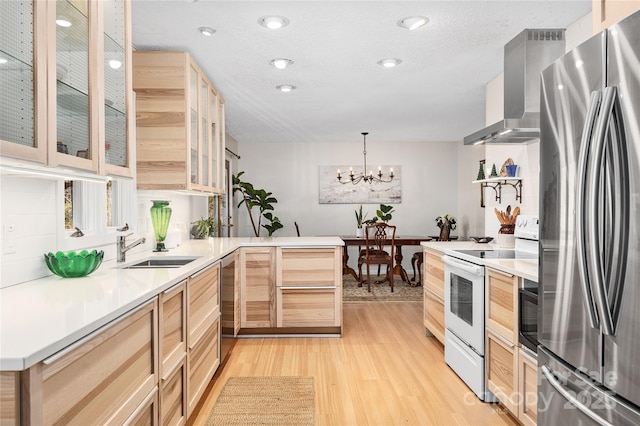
(360, 217)
(443, 218)
(383, 214)
(204, 227)
(263, 200)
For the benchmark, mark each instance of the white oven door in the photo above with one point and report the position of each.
(464, 301)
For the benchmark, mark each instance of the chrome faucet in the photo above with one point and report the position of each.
(122, 248)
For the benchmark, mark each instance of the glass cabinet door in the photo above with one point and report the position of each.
(73, 132)
(20, 72)
(193, 113)
(115, 123)
(206, 132)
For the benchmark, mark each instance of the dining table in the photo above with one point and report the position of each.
(400, 240)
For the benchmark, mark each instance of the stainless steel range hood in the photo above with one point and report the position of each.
(525, 57)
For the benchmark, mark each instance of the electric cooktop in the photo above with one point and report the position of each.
(499, 254)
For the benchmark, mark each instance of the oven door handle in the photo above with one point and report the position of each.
(464, 266)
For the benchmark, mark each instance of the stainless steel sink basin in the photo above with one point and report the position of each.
(160, 262)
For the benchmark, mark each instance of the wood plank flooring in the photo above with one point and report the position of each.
(383, 371)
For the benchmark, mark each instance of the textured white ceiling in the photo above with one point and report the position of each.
(436, 94)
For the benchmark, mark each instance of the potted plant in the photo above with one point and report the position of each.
(383, 213)
(252, 197)
(203, 228)
(446, 223)
(360, 218)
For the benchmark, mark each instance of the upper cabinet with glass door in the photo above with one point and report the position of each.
(177, 109)
(23, 53)
(83, 116)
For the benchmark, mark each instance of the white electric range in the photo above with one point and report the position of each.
(464, 303)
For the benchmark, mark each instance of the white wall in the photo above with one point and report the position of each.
(290, 171)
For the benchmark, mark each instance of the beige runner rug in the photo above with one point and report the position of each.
(265, 401)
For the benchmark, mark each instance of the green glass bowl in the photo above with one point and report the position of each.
(73, 264)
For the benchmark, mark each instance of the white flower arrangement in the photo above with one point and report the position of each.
(440, 221)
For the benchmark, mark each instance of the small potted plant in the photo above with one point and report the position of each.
(360, 219)
(446, 223)
(204, 228)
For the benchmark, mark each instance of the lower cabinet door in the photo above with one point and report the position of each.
(202, 361)
(173, 395)
(501, 366)
(434, 314)
(147, 412)
(528, 386)
(308, 307)
(103, 378)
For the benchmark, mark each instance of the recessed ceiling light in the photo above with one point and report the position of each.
(63, 23)
(281, 63)
(389, 62)
(3, 60)
(115, 64)
(207, 31)
(273, 22)
(413, 22)
(285, 87)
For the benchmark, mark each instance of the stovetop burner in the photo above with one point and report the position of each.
(499, 254)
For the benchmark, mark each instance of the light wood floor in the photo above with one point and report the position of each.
(383, 371)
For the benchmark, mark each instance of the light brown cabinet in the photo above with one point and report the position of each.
(528, 389)
(10, 398)
(147, 412)
(502, 304)
(230, 294)
(103, 378)
(203, 361)
(257, 287)
(74, 81)
(501, 365)
(605, 13)
(433, 301)
(306, 280)
(173, 394)
(179, 126)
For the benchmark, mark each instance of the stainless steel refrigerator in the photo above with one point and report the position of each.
(589, 307)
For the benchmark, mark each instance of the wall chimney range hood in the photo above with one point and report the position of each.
(525, 56)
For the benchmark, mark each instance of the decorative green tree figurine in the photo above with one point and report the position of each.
(481, 173)
(494, 172)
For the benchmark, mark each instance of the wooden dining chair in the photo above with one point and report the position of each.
(378, 237)
(418, 258)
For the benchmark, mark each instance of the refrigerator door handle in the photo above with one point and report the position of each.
(555, 383)
(595, 259)
(621, 203)
(585, 143)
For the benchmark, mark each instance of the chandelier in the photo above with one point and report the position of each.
(355, 178)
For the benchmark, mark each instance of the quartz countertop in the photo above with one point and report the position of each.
(39, 318)
(441, 246)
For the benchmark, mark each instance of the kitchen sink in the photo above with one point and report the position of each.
(160, 262)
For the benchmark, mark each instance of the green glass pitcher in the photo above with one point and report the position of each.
(160, 216)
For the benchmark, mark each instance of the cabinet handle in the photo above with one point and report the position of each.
(212, 321)
(142, 406)
(501, 273)
(314, 287)
(171, 369)
(203, 270)
(173, 288)
(499, 337)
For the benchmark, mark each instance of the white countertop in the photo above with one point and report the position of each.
(38, 318)
(526, 268)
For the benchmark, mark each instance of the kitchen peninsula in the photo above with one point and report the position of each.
(146, 330)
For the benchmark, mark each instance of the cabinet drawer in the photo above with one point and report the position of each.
(9, 399)
(303, 307)
(147, 412)
(501, 361)
(528, 387)
(203, 301)
(434, 314)
(173, 395)
(103, 379)
(203, 360)
(433, 272)
(311, 267)
(502, 304)
(172, 326)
